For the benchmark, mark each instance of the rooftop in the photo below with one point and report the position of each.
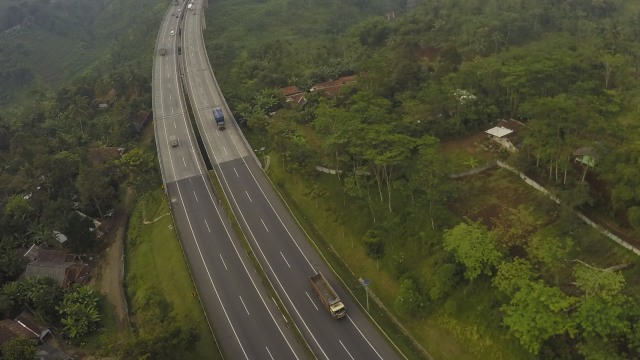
(58, 265)
(499, 131)
(332, 87)
(10, 330)
(290, 90)
(27, 320)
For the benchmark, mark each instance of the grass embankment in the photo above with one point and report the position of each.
(464, 327)
(155, 260)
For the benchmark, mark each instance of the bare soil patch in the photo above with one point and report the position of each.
(109, 269)
(476, 145)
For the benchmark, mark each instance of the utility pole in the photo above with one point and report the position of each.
(365, 283)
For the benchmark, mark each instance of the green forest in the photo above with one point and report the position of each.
(75, 89)
(480, 267)
(46, 44)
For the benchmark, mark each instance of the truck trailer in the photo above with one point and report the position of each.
(327, 296)
(218, 116)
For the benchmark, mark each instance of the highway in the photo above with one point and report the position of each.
(279, 244)
(232, 295)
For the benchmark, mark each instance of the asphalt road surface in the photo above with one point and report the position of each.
(282, 249)
(244, 317)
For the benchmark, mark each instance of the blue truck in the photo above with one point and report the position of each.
(218, 117)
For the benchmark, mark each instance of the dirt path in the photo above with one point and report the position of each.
(110, 270)
(110, 267)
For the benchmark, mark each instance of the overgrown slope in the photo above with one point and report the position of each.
(44, 44)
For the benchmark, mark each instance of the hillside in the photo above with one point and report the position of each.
(76, 96)
(481, 267)
(44, 44)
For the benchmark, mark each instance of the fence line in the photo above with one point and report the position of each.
(474, 171)
(533, 184)
(593, 224)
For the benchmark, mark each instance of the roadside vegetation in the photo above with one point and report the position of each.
(169, 319)
(536, 282)
(482, 266)
(75, 96)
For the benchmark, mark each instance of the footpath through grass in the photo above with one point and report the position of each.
(154, 259)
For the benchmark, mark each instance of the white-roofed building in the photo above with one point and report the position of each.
(506, 134)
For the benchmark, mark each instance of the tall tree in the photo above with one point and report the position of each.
(157, 334)
(537, 312)
(603, 312)
(79, 311)
(409, 301)
(11, 263)
(513, 227)
(428, 180)
(19, 349)
(473, 246)
(62, 170)
(94, 189)
(385, 152)
(512, 276)
(43, 295)
(80, 231)
(618, 168)
(141, 170)
(551, 252)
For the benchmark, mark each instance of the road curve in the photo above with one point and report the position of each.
(232, 296)
(279, 244)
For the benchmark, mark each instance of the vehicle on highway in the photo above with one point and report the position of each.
(218, 115)
(162, 51)
(173, 141)
(172, 33)
(327, 296)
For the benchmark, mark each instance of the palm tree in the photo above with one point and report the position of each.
(80, 315)
(40, 235)
(13, 291)
(471, 162)
(31, 176)
(6, 303)
(81, 320)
